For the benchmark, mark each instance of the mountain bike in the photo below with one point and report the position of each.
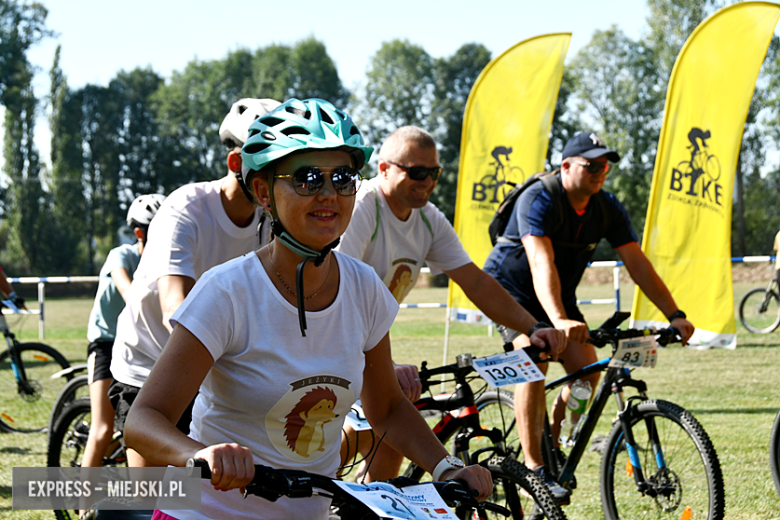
(759, 310)
(68, 440)
(26, 401)
(657, 462)
(461, 417)
(774, 452)
(346, 498)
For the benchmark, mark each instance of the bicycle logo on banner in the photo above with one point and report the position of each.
(492, 188)
(696, 181)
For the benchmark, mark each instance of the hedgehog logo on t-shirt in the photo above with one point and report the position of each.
(303, 427)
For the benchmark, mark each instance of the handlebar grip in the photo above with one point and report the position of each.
(535, 352)
(205, 470)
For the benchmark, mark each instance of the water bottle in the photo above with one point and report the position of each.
(579, 395)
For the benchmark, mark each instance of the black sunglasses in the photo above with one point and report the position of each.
(308, 180)
(594, 167)
(419, 173)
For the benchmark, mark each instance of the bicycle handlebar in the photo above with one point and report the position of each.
(602, 337)
(270, 483)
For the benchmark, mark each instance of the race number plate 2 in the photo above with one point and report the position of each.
(508, 368)
(635, 353)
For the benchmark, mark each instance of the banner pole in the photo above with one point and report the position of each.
(446, 343)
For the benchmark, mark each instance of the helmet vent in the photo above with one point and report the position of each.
(271, 121)
(254, 132)
(255, 148)
(268, 135)
(295, 130)
(298, 112)
(242, 109)
(326, 117)
(354, 131)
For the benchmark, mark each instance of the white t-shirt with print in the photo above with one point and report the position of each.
(397, 249)
(190, 234)
(279, 394)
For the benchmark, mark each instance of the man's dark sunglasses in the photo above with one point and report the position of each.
(308, 180)
(595, 167)
(419, 173)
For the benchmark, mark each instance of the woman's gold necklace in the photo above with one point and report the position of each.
(330, 265)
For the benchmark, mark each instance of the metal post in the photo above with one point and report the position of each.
(446, 344)
(616, 280)
(41, 297)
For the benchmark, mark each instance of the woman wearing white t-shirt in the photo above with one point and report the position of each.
(282, 341)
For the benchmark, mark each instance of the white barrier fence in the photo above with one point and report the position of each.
(41, 282)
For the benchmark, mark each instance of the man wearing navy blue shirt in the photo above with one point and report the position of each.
(540, 260)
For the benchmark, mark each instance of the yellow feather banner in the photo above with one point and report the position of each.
(505, 137)
(687, 235)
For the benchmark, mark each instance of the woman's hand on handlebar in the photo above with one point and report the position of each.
(232, 466)
(554, 340)
(409, 379)
(685, 328)
(477, 478)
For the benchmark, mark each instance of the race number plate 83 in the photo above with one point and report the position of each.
(508, 368)
(635, 353)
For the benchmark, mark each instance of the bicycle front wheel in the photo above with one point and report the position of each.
(678, 461)
(497, 410)
(774, 453)
(759, 311)
(76, 388)
(518, 489)
(27, 409)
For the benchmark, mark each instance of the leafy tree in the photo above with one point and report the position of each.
(616, 86)
(398, 90)
(21, 27)
(453, 78)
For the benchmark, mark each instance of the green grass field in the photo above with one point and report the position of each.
(732, 393)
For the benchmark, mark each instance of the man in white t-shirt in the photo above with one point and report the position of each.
(199, 226)
(396, 230)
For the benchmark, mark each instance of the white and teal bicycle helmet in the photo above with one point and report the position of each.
(294, 127)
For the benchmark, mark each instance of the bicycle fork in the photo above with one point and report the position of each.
(624, 416)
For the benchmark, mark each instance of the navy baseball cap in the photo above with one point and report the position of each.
(589, 146)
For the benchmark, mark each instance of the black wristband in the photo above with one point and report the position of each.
(675, 315)
(540, 325)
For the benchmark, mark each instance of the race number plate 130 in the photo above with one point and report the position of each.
(508, 368)
(635, 353)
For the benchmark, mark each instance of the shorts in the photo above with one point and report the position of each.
(122, 397)
(99, 360)
(536, 310)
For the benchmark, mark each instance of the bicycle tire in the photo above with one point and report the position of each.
(521, 491)
(774, 452)
(753, 318)
(76, 388)
(691, 478)
(28, 414)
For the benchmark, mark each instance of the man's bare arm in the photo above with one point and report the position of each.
(547, 285)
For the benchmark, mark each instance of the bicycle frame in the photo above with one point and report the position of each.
(771, 287)
(466, 420)
(16, 361)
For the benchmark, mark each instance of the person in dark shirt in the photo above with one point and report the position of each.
(540, 260)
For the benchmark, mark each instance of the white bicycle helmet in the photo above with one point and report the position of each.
(143, 209)
(234, 129)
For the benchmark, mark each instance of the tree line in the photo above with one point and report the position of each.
(144, 133)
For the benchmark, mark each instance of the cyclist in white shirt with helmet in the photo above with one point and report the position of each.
(282, 341)
(199, 226)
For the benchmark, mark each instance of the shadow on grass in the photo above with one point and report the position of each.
(14, 450)
(734, 411)
(5, 492)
